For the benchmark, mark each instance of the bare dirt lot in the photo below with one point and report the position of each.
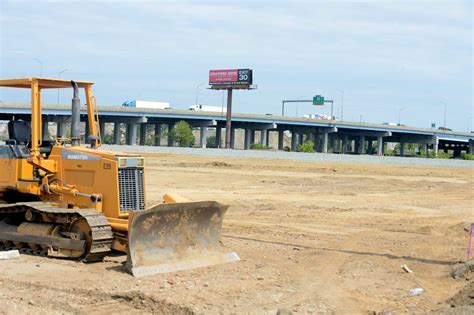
(312, 237)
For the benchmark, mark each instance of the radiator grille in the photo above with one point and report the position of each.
(131, 189)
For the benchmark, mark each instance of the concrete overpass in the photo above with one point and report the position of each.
(329, 136)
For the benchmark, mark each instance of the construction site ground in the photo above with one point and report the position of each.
(313, 237)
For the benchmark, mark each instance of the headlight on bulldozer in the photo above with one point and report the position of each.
(122, 162)
(131, 162)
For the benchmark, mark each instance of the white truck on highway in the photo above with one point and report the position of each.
(207, 108)
(146, 104)
(317, 116)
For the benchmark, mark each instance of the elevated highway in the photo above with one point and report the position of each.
(330, 136)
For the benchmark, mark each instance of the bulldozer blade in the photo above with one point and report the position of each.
(176, 236)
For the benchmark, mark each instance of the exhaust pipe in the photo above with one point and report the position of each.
(76, 116)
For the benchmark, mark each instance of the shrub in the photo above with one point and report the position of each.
(396, 149)
(211, 142)
(108, 139)
(286, 148)
(182, 134)
(258, 146)
(467, 156)
(389, 152)
(443, 155)
(306, 147)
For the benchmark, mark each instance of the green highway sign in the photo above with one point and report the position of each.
(318, 100)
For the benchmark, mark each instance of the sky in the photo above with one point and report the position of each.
(387, 60)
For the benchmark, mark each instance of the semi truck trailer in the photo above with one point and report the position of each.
(146, 104)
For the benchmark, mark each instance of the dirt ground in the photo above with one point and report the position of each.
(312, 237)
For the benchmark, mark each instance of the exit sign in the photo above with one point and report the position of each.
(318, 100)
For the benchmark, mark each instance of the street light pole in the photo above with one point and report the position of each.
(59, 76)
(444, 125)
(297, 104)
(41, 66)
(197, 91)
(342, 103)
(400, 114)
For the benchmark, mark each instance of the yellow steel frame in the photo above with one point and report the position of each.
(38, 84)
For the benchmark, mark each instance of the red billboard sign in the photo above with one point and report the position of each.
(230, 77)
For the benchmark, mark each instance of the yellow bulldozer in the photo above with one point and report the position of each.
(59, 198)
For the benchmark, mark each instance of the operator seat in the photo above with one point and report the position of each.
(19, 135)
(19, 132)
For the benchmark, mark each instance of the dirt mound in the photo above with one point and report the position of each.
(461, 303)
(218, 164)
(465, 297)
(147, 303)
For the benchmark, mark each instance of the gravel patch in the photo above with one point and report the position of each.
(295, 156)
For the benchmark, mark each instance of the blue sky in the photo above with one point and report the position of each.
(385, 55)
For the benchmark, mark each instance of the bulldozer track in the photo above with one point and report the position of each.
(101, 231)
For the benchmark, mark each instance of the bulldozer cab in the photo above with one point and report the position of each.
(22, 133)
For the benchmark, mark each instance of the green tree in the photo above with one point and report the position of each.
(396, 149)
(182, 134)
(108, 139)
(211, 142)
(307, 147)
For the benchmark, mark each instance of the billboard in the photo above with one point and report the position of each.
(230, 77)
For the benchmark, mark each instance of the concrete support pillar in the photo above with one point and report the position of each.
(435, 146)
(361, 145)
(61, 128)
(332, 142)
(218, 137)
(402, 148)
(157, 141)
(203, 137)
(370, 147)
(131, 134)
(281, 138)
(324, 145)
(263, 136)
(143, 134)
(117, 133)
(294, 141)
(379, 145)
(252, 136)
(248, 134)
(345, 143)
(232, 137)
(128, 131)
(102, 131)
(170, 138)
(45, 129)
(471, 146)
